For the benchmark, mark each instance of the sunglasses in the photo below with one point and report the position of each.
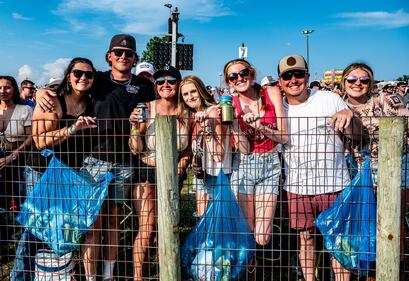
(161, 80)
(232, 77)
(352, 79)
(78, 73)
(119, 52)
(30, 88)
(299, 74)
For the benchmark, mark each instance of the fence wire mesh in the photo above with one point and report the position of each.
(93, 226)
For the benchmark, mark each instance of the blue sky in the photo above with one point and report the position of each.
(38, 38)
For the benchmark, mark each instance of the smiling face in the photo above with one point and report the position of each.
(191, 96)
(6, 90)
(167, 86)
(356, 86)
(80, 77)
(239, 77)
(295, 88)
(122, 59)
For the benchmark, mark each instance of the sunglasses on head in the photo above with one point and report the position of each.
(299, 74)
(78, 73)
(161, 80)
(235, 75)
(351, 79)
(119, 52)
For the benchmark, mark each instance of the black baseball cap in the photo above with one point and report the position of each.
(170, 70)
(123, 40)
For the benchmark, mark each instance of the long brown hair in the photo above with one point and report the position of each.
(206, 98)
(16, 93)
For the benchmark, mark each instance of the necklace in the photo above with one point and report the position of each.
(123, 83)
(76, 108)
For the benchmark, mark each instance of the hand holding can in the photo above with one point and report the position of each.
(143, 117)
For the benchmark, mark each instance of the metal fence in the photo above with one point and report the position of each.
(104, 226)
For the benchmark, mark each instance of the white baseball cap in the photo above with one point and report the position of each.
(145, 67)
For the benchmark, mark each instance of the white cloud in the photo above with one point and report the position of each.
(24, 72)
(53, 70)
(375, 19)
(145, 17)
(17, 16)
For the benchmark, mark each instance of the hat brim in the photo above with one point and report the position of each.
(161, 72)
(293, 68)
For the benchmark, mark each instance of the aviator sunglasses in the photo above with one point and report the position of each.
(235, 75)
(119, 52)
(161, 80)
(351, 79)
(299, 74)
(78, 74)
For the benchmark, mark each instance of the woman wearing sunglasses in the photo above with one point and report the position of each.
(73, 113)
(261, 118)
(166, 86)
(68, 129)
(357, 83)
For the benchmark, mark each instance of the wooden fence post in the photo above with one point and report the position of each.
(168, 198)
(391, 131)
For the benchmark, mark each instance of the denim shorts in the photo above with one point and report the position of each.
(118, 191)
(206, 185)
(256, 174)
(31, 176)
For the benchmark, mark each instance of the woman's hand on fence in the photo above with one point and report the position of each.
(341, 120)
(252, 119)
(44, 98)
(85, 122)
(201, 116)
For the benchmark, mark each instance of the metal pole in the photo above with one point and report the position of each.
(175, 18)
(307, 33)
(308, 50)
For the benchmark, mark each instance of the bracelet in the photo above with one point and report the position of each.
(135, 131)
(70, 131)
(261, 128)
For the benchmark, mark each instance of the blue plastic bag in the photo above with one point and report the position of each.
(63, 205)
(221, 245)
(349, 225)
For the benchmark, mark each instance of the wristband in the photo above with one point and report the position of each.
(135, 131)
(71, 130)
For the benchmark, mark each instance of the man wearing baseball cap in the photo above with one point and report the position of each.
(314, 177)
(117, 92)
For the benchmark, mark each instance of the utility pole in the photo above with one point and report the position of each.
(174, 18)
(307, 33)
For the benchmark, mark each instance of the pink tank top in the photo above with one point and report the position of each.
(258, 141)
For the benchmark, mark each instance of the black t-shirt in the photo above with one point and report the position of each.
(114, 104)
(73, 150)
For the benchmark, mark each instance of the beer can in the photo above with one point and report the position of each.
(144, 112)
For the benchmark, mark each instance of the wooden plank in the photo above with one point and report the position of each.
(391, 131)
(168, 198)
